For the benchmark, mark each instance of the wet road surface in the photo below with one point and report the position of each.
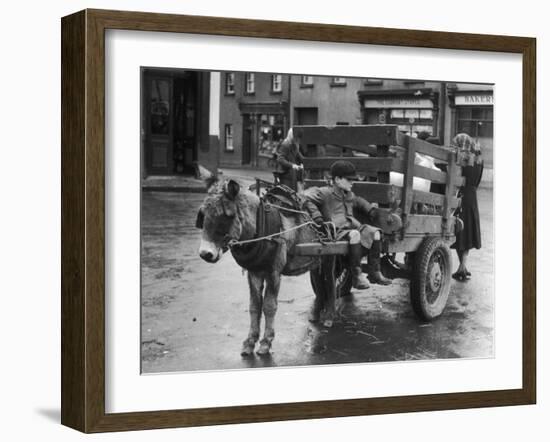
(195, 314)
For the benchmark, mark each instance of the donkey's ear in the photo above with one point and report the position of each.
(199, 223)
(208, 177)
(210, 181)
(232, 189)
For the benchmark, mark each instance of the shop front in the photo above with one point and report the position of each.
(264, 127)
(413, 111)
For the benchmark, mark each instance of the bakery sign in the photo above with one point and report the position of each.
(399, 103)
(474, 100)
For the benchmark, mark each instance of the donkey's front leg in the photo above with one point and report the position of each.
(256, 286)
(273, 283)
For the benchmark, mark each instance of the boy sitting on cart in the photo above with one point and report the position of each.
(336, 204)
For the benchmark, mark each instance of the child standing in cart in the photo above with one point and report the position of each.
(289, 163)
(336, 204)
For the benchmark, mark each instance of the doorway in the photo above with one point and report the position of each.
(248, 139)
(169, 122)
(307, 116)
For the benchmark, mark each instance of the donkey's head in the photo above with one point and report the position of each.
(220, 219)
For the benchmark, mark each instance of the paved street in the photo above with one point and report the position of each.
(195, 314)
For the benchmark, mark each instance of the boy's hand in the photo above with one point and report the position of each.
(319, 221)
(319, 225)
(394, 219)
(387, 220)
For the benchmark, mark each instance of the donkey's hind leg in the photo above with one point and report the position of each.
(316, 279)
(256, 286)
(270, 309)
(329, 312)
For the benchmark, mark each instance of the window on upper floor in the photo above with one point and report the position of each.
(338, 81)
(306, 81)
(249, 83)
(230, 83)
(414, 82)
(373, 82)
(276, 83)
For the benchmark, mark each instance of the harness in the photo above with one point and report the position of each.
(259, 253)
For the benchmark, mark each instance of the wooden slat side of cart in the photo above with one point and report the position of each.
(428, 221)
(389, 151)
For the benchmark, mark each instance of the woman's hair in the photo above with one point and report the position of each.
(466, 144)
(289, 137)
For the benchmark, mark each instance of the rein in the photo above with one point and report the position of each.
(234, 242)
(290, 210)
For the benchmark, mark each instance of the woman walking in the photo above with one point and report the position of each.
(471, 162)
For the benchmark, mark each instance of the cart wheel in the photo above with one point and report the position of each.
(431, 278)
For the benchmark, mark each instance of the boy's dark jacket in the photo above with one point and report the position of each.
(337, 206)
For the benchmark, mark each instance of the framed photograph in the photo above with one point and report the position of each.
(268, 221)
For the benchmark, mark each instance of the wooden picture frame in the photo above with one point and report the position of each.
(83, 220)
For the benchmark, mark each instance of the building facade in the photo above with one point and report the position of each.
(237, 119)
(439, 109)
(179, 121)
(471, 111)
(325, 100)
(414, 106)
(254, 109)
(329, 101)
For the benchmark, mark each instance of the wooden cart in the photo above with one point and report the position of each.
(428, 223)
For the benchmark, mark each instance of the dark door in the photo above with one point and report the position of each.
(306, 116)
(248, 130)
(185, 121)
(158, 128)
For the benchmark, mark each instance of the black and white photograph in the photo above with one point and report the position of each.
(242, 221)
(299, 220)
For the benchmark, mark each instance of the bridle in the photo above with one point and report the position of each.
(229, 238)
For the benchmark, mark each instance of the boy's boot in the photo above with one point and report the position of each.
(359, 280)
(375, 275)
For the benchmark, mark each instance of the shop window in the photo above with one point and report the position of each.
(412, 113)
(426, 114)
(397, 113)
(408, 121)
(276, 83)
(475, 121)
(307, 81)
(249, 83)
(271, 134)
(230, 83)
(229, 138)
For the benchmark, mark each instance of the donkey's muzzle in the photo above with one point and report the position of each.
(208, 256)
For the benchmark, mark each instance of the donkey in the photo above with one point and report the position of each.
(229, 214)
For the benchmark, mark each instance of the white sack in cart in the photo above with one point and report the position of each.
(421, 184)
